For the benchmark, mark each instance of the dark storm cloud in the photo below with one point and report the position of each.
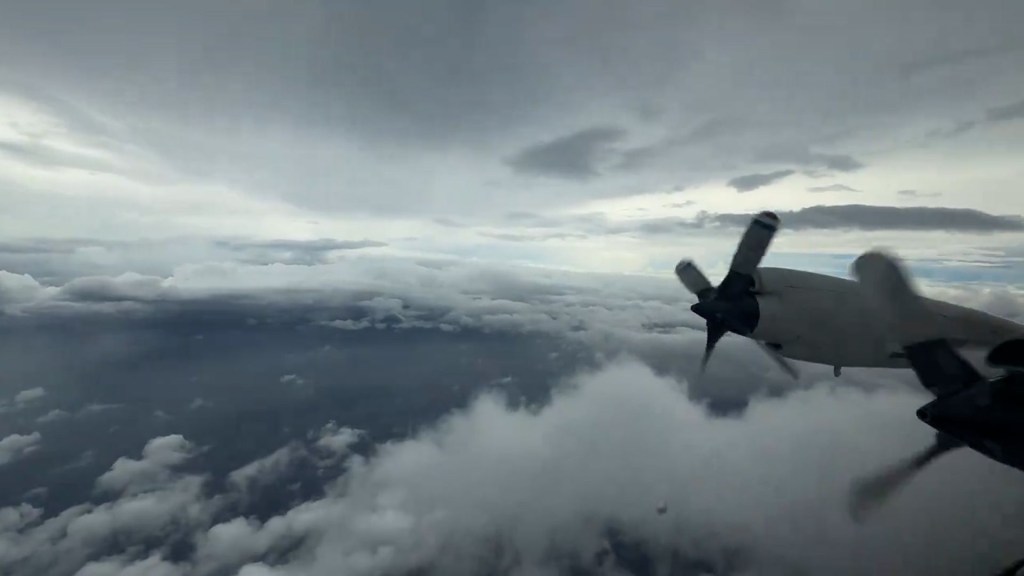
(402, 69)
(865, 217)
(751, 182)
(575, 156)
(833, 188)
(440, 68)
(367, 105)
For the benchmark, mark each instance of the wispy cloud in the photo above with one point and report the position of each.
(751, 182)
(833, 188)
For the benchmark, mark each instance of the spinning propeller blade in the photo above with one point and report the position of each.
(869, 492)
(694, 280)
(715, 332)
(754, 243)
(889, 288)
(731, 306)
(779, 359)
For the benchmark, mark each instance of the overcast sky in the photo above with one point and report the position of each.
(379, 120)
(243, 242)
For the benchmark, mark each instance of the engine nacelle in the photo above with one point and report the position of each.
(773, 280)
(986, 417)
(1009, 355)
(819, 318)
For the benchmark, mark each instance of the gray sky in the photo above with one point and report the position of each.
(305, 120)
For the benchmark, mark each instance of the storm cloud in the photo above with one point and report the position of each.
(399, 108)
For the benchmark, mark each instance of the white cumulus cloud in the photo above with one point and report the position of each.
(15, 446)
(32, 394)
(511, 490)
(159, 457)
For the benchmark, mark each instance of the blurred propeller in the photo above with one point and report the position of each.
(779, 359)
(869, 492)
(887, 285)
(732, 306)
(715, 333)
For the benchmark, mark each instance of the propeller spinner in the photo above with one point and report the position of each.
(732, 305)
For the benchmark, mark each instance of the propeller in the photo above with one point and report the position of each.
(779, 359)
(732, 306)
(868, 493)
(888, 286)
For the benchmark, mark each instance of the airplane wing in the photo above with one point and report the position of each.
(913, 325)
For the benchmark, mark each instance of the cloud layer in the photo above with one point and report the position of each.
(546, 474)
(499, 489)
(862, 217)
